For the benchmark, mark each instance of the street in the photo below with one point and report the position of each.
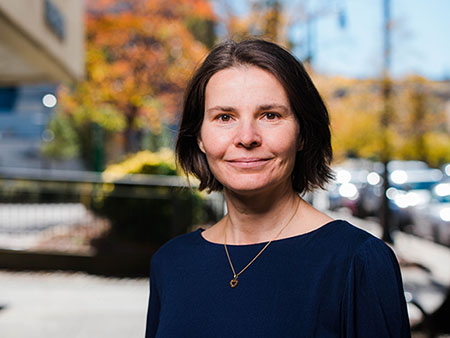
(71, 305)
(78, 305)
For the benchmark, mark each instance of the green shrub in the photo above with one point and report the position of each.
(146, 213)
(144, 162)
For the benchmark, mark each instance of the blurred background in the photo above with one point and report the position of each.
(90, 99)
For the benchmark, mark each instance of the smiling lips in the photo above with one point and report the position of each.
(248, 162)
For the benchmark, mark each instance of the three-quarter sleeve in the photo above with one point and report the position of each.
(373, 303)
(153, 304)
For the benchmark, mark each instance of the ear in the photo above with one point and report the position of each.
(200, 144)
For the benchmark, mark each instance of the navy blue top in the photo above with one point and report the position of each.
(336, 281)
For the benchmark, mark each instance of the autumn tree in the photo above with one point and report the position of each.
(139, 55)
(268, 19)
(422, 128)
(418, 130)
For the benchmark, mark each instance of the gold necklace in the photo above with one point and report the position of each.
(234, 281)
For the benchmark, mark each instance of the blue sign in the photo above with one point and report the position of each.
(55, 20)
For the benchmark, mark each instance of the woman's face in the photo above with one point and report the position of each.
(249, 133)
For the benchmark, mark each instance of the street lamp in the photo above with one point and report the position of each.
(49, 100)
(385, 121)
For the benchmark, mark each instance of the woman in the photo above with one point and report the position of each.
(255, 127)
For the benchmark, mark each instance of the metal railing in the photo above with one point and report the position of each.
(56, 210)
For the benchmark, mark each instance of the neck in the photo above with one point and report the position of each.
(259, 217)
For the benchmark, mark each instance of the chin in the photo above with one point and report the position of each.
(249, 186)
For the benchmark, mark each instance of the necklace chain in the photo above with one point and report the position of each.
(234, 281)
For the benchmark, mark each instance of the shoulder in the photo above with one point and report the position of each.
(366, 246)
(366, 255)
(177, 247)
(351, 239)
(356, 247)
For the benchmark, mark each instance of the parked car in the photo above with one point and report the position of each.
(409, 189)
(357, 187)
(432, 220)
(345, 190)
(361, 189)
(446, 169)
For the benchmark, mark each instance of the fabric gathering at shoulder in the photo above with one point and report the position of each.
(373, 303)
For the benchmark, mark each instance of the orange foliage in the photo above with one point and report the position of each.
(138, 52)
(417, 122)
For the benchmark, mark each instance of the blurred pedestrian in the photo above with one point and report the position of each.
(255, 127)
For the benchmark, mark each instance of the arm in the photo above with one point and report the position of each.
(153, 305)
(373, 304)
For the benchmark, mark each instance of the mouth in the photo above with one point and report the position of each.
(248, 163)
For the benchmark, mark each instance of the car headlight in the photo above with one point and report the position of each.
(343, 176)
(373, 178)
(399, 176)
(444, 214)
(392, 193)
(408, 199)
(442, 189)
(349, 190)
(402, 201)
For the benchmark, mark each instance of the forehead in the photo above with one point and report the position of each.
(244, 84)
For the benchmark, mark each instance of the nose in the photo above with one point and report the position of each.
(248, 134)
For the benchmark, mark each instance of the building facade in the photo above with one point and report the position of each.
(41, 41)
(41, 45)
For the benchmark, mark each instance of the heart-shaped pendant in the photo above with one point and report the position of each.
(233, 283)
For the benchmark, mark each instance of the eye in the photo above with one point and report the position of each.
(224, 117)
(271, 116)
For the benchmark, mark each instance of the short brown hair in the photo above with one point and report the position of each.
(312, 163)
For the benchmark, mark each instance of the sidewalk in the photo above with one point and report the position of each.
(71, 305)
(78, 305)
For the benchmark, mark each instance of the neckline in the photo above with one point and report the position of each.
(281, 240)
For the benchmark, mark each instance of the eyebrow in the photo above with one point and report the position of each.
(261, 107)
(273, 106)
(221, 108)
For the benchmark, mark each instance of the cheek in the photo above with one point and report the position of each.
(210, 144)
(289, 153)
(285, 143)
